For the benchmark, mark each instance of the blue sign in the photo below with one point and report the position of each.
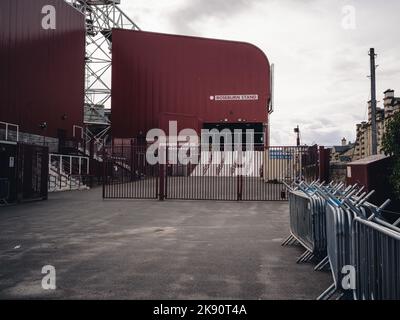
(279, 155)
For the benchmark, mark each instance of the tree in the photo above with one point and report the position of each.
(391, 147)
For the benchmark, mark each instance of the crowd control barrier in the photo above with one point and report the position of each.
(376, 258)
(337, 224)
(307, 224)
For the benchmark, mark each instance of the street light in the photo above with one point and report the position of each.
(297, 131)
(43, 126)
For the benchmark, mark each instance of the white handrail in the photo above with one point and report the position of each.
(60, 159)
(7, 125)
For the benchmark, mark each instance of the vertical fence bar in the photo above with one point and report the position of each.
(161, 195)
(219, 175)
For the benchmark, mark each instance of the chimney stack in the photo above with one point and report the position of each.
(388, 102)
(344, 142)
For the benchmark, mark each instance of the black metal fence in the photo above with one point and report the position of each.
(242, 175)
(8, 172)
(33, 171)
(127, 174)
(4, 191)
(24, 172)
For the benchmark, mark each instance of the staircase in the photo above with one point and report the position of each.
(67, 173)
(59, 182)
(226, 164)
(97, 141)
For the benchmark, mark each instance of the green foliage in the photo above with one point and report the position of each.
(391, 146)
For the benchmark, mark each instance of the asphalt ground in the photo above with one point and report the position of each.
(147, 249)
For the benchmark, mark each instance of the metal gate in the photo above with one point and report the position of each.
(257, 175)
(127, 174)
(23, 172)
(33, 171)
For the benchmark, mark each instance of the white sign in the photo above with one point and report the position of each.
(348, 172)
(235, 97)
(12, 162)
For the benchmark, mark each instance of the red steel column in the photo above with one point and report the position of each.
(324, 163)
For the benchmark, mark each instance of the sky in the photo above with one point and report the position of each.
(319, 48)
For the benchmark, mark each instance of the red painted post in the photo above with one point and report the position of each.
(132, 163)
(324, 162)
(104, 173)
(162, 165)
(240, 184)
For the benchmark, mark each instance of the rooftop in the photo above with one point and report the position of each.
(343, 149)
(370, 159)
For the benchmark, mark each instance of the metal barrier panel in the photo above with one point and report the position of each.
(308, 223)
(318, 208)
(339, 226)
(241, 175)
(301, 220)
(376, 258)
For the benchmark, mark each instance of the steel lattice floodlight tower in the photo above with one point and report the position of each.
(101, 17)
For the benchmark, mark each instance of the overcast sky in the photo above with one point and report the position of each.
(319, 50)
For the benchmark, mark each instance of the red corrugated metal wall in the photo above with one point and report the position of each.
(158, 77)
(42, 71)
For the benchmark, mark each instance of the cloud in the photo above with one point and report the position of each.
(196, 11)
(321, 68)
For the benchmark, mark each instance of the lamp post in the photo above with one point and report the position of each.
(297, 131)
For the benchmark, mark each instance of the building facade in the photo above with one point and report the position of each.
(343, 153)
(363, 146)
(42, 82)
(42, 71)
(200, 83)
